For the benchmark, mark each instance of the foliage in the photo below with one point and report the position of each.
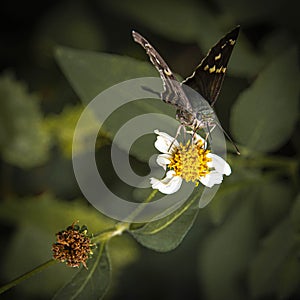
(23, 141)
(245, 243)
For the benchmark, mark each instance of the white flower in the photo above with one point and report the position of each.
(191, 162)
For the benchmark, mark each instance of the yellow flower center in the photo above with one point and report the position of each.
(190, 161)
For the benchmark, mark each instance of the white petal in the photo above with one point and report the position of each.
(163, 160)
(164, 141)
(211, 179)
(219, 164)
(168, 185)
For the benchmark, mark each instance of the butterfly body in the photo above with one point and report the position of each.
(206, 80)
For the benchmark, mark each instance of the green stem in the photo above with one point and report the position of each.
(27, 275)
(106, 235)
(141, 207)
(120, 227)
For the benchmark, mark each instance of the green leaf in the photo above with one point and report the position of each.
(264, 116)
(267, 264)
(226, 252)
(92, 283)
(100, 70)
(23, 140)
(167, 233)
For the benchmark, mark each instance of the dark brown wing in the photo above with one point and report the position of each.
(173, 92)
(209, 74)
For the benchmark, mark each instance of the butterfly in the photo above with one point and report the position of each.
(207, 80)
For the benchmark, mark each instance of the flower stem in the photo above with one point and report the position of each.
(136, 212)
(27, 275)
(121, 226)
(106, 235)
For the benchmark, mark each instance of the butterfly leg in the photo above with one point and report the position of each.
(208, 134)
(177, 134)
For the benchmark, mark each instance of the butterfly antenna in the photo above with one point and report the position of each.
(230, 139)
(147, 89)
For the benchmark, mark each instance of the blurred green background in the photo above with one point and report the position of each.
(245, 243)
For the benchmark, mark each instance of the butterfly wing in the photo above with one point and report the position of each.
(173, 92)
(209, 74)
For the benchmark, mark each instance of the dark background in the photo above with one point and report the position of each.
(29, 32)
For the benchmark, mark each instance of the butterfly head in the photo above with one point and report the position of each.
(200, 120)
(185, 118)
